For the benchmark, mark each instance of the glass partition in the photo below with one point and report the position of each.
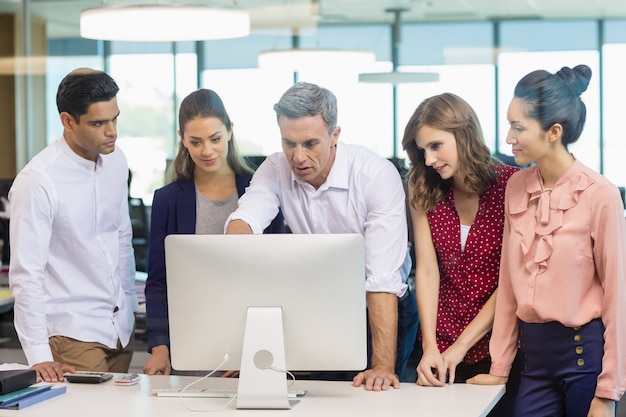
(480, 61)
(550, 45)
(151, 78)
(614, 107)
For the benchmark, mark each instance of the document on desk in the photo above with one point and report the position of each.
(25, 397)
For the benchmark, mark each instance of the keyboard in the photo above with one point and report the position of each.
(210, 393)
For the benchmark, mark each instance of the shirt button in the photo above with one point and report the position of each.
(579, 349)
(580, 362)
(116, 309)
(577, 338)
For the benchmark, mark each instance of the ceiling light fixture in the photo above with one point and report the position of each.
(396, 77)
(299, 59)
(164, 22)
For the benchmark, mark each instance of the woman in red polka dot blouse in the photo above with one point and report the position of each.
(456, 194)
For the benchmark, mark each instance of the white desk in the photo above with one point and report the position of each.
(328, 399)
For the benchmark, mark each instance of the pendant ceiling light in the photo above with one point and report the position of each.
(396, 77)
(164, 22)
(299, 59)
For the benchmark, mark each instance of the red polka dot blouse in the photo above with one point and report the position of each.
(468, 278)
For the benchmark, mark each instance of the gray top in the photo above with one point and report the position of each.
(211, 214)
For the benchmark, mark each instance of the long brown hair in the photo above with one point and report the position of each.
(205, 103)
(451, 113)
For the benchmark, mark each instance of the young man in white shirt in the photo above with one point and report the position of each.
(325, 186)
(72, 266)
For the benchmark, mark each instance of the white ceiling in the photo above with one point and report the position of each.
(63, 15)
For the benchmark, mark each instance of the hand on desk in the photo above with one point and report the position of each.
(435, 368)
(52, 371)
(159, 361)
(432, 370)
(487, 379)
(376, 380)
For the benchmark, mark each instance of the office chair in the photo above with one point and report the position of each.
(141, 232)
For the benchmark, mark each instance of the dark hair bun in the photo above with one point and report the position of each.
(577, 78)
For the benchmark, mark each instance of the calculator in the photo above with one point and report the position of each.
(88, 377)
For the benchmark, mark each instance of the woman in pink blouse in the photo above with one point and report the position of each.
(456, 194)
(563, 272)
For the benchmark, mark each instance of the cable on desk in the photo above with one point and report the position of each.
(180, 397)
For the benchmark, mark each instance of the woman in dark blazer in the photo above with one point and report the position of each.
(209, 178)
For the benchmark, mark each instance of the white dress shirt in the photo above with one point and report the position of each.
(72, 266)
(362, 194)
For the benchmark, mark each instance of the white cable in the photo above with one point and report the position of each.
(226, 358)
(293, 378)
(180, 397)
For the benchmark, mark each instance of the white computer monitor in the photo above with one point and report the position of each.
(298, 299)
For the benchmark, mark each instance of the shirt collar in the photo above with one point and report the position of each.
(77, 158)
(562, 196)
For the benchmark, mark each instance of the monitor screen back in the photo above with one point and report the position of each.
(317, 280)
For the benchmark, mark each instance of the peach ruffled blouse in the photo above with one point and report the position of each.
(563, 259)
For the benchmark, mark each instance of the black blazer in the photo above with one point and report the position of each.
(174, 212)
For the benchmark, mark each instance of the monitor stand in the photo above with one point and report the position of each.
(262, 376)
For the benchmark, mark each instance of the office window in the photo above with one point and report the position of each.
(446, 43)
(64, 56)
(375, 38)
(57, 67)
(365, 111)
(614, 91)
(249, 93)
(249, 96)
(148, 110)
(551, 45)
(474, 83)
(145, 126)
(462, 55)
(154, 77)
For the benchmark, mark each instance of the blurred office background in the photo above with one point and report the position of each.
(477, 49)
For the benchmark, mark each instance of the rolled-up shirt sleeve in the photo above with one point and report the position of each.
(385, 232)
(260, 204)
